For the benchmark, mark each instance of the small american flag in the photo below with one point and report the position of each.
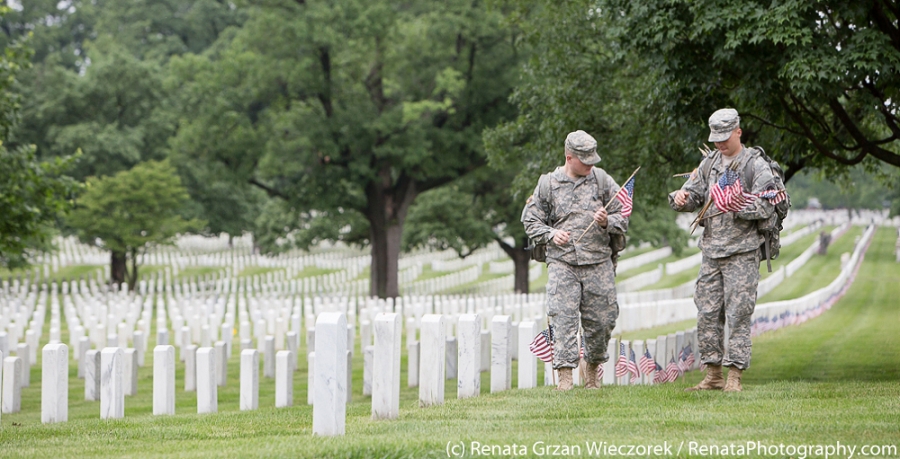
(625, 197)
(542, 345)
(689, 357)
(660, 376)
(774, 196)
(672, 372)
(646, 364)
(728, 193)
(622, 363)
(633, 368)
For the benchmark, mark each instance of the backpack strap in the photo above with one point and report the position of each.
(600, 176)
(544, 190)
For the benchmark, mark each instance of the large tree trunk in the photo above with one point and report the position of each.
(118, 267)
(521, 258)
(386, 212)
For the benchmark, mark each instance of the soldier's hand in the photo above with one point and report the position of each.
(680, 198)
(600, 217)
(561, 237)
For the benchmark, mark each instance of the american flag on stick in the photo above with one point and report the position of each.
(728, 193)
(542, 345)
(625, 197)
(646, 364)
(633, 368)
(672, 371)
(622, 363)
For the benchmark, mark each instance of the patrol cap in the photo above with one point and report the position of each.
(583, 146)
(721, 123)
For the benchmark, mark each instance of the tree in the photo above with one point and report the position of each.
(469, 214)
(816, 81)
(130, 212)
(577, 78)
(32, 192)
(351, 110)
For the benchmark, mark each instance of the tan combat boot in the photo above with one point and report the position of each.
(590, 379)
(712, 381)
(565, 379)
(734, 380)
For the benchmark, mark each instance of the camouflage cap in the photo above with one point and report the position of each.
(721, 123)
(583, 146)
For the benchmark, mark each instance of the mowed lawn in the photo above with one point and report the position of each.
(833, 379)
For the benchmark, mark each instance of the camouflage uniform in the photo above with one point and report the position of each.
(581, 277)
(729, 272)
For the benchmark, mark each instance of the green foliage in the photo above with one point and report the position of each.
(815, 82)
(854, 188)
(132, 210)
(446, 218)
(32, 192)
(577, 79)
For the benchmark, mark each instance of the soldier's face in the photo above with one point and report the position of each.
(577, 167)
(732, 146)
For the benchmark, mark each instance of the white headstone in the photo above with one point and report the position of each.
(468, 329)
(162, 337)
(23, 350)
(163, 380)
(368, 357)
(185, 340)
(432, 360)
(485, 350)
(501, 361)
(330, 401)
(527, 371)
(129, 371)
(293, 345)
(284, 379)
(451, 350)
(221, 364)
(12, 385)
(190, 368)
(92, 375)
(207, 393)
(386, 378)
(412, 363)
(112, 384)
(140, 347)
(249, 379)
(55, 383)
(84, 345)
(269, 356)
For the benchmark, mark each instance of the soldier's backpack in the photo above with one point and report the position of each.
(538, 251)
(771, 228)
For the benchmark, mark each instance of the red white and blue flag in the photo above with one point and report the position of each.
(728, 193)
(542, 345)
(689, 356)
(633, 368)
(660, 376)
(625, 197)
(773, 196)
(672, 370)
(622, 363)
(646, 364)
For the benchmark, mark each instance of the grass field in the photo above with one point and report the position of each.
(833, 379)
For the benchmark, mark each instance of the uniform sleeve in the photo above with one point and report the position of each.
(536, 216)
(616, 223)
(759, 209)
(697, 189)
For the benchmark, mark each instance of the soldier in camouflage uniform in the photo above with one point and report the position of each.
(729, 272)
(581, 275)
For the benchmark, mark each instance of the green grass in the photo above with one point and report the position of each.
(197, 271)
(818, 272)
(485, 276)
(835, 378)
(72, 272)
(634, 251)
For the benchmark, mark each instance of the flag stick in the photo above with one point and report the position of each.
(608, 204)
(720, 213)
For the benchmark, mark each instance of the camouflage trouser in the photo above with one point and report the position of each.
(588, 291)
(726, 288)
